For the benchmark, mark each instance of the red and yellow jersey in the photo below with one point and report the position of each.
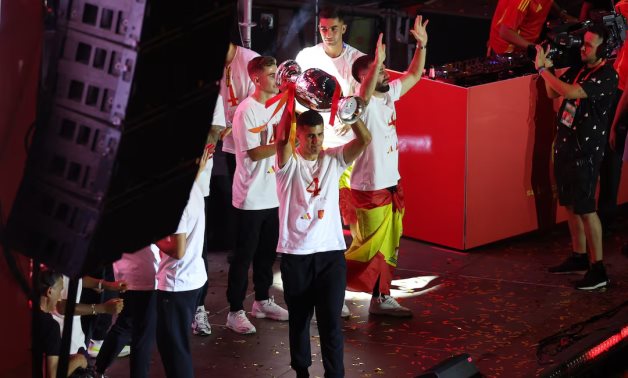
(621, 64)
(525, 17)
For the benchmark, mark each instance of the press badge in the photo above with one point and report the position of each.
(569, 112)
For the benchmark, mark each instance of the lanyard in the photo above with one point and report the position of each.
(575, 81)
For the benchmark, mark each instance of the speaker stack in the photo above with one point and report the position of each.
(112, 162)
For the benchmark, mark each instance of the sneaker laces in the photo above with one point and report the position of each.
(239, 315)
(270, 302)
(201, 316)
(389, 300)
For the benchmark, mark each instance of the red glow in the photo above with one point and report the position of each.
(606, 344)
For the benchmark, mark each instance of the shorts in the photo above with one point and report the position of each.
(576, 180)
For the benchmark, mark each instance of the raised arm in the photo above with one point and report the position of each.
(370, 79)
(282, 139)
(553, 85)
(362, 139)
(415, 70)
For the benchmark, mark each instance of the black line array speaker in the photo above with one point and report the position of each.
(112, 161)
(459, 366)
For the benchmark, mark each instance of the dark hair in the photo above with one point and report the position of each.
(360, 64)
(258, 64)
(309, 118)
(603, 50)
(330, 11)
(47, 279)
(600, 30)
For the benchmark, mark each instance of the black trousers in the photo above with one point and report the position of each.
(315, 282)
(135, 324)
(175, 311)
(258, 231)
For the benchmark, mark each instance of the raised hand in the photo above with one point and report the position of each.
(380, 50)
(419, 31)
(541, 56)
(343, 129)
(208, 153)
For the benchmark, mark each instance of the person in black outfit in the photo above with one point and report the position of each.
(46, 330)
(582, 126)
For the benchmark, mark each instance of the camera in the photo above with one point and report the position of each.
(565, 40)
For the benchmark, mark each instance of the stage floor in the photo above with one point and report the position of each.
(495, 303)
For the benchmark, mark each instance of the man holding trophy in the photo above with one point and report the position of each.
(313, 268)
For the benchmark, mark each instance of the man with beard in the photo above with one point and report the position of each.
(375, 184)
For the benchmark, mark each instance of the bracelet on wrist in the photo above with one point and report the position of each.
(93, 309)
(100, 284)
(421, 46)
(541, 69)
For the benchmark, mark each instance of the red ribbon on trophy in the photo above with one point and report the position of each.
(287, 98)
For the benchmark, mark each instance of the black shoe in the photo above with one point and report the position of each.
(595, 278)
(577, 262)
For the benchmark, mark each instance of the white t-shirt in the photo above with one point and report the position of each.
(309, 217)
(218, 119)
(340, 68)
(241, 88)
(77, 340)
(188, 273)
(139, 268)
(378, 166)
(254, 186)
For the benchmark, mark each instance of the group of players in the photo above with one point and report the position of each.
(293, 188)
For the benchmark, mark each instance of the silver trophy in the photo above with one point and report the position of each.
(315, 88)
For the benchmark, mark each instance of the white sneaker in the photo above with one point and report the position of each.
(345, 311)
(125, 351)
(238, 322)
(387, 305)
(200, 324)
(94, 348)
(269, 309)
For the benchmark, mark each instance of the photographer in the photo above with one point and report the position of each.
(582, 124)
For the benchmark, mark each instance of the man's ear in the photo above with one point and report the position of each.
(49, 292)
(344, 28)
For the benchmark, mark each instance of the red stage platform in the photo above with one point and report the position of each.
(476, 162)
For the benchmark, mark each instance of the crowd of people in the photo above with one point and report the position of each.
(294, 187)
